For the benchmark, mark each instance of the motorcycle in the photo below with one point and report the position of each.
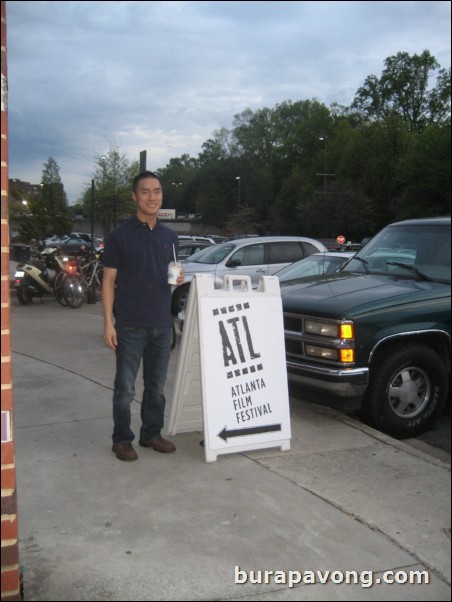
(36, 278)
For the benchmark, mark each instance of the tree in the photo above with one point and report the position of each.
(113, 189)
(403, 88)
(388, 156)
(242, 222)
(221, 146)
(177, 177)
(48, 211)
(369, 161)
(424, 174)
(255, 136)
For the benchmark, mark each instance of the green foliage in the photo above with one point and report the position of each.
(404, 89)
(111, 198)
(300, 167)
(424, 170)
(48, 212)
(386, 157)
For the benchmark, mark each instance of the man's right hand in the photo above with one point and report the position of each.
(110, 337)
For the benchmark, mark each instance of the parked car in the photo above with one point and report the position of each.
(376, 335)
(54, 241)
(315, 265)
(97, 238)
(254, 257)
(76, 246)
(217, 238)
(83, 235)
(331, 244)
(195, 237)
(352, 246)
(188, 248)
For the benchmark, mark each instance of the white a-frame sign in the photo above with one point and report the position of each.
(231, 376)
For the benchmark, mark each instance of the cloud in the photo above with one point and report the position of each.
(162, 76)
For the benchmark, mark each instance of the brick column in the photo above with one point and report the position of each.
(10, 573)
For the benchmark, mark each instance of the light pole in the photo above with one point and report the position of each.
(176, 186)
(325, 175)
(238, 216)
(92, 216)
(115, 200)
(103, 160)
(324, 165)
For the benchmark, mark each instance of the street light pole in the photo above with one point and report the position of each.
(103, 202)
(114, 193)
(176, 186)
(325, 174)
(238, 212)
(238, 178)
(324, 165)
(103, 159)
(92, 216)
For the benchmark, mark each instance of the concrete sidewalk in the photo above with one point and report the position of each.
(172, 527)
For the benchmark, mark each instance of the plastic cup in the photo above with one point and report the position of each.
(174, 270)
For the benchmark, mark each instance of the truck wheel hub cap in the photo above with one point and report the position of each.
(409, 392)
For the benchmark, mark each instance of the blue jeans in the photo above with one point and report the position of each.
(153, 346)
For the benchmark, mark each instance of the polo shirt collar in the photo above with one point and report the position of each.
(138, 223)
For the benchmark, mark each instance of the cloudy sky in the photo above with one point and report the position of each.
(162, 76)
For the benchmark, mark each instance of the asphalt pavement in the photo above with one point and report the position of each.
(336, 517)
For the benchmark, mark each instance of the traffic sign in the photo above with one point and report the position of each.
(340, 239)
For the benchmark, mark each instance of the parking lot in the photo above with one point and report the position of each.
(175, 527)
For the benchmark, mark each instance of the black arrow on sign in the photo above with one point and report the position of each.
(225, 434)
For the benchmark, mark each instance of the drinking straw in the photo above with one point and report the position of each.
(174, 253)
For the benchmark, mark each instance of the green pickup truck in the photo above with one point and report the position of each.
(376, 335)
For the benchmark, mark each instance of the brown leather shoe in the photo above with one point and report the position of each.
(159, 444)
(124, 451)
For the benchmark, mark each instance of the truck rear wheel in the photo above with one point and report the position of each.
(407, 391)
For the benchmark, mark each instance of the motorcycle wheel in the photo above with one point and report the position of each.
(74, 292)
(58, 288)
(91, 295)
(23, 294)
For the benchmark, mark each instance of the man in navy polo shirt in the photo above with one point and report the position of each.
(136, 300)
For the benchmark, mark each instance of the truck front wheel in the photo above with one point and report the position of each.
(407, 391)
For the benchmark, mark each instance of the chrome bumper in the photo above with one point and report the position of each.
(343, 382)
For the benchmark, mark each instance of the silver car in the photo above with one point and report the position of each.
(314, 266)
(254, 257)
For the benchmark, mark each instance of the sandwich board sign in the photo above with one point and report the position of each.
(231, 375)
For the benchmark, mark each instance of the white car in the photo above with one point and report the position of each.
(254, 257)
(318, 264)
(55, 241)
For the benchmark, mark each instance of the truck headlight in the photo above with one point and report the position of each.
(324, 329)
(324, 353)
(335, 330)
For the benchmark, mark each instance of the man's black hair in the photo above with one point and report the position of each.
(142, 176)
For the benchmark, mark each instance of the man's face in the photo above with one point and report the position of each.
(148, 197)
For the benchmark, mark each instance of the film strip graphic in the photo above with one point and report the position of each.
(254, 366)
